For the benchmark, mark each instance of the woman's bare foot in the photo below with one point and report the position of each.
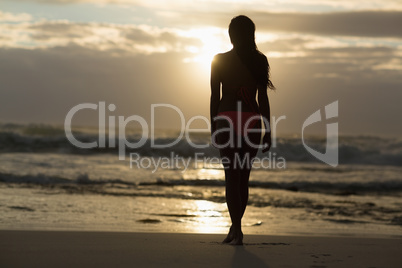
(229, 237)
(237, 238)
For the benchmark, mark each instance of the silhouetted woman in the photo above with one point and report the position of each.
(236, 117)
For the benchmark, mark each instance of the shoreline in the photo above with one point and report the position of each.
(181, 232)
(105, 249)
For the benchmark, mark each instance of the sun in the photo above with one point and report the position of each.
(211, 47)
(213, 40)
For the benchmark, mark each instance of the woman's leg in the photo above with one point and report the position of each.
(232, 191)
(233, 199)
(236, 178)
(245, 175)
(248, 152)
(234, 203)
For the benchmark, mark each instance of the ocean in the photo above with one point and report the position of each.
(46, 183)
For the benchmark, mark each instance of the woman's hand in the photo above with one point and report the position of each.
(266, 142)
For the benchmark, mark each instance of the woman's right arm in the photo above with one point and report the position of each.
(215, 92)
(263, 103)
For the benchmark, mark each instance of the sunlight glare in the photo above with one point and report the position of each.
(214, 41)
(210, 174)
(210, 217)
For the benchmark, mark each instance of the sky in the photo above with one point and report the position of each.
(56, 54)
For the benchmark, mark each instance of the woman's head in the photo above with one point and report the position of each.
(242, 36)
(241, 32)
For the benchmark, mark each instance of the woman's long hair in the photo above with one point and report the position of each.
(241, 32)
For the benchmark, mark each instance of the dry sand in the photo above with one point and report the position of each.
(113, 249)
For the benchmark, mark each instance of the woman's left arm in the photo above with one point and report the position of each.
(263, 103)
(215, 93)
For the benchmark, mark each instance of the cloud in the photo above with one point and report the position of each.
(357, 23)
(285, 44)
(368, 23)
(368, 97)
(102, 36)
(46, 67)
(234, 6)
(159, 38)
(42, 84)
(6, 17)
(47, 30)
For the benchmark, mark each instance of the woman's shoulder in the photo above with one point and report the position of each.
(261, 56)
(223, 55)
(223, 59)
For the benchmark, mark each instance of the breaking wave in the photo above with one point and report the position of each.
(370, 150)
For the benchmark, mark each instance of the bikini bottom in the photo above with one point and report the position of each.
(240, 122)
(234, 140)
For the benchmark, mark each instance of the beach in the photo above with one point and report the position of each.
(61, 206)
(124, 249)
